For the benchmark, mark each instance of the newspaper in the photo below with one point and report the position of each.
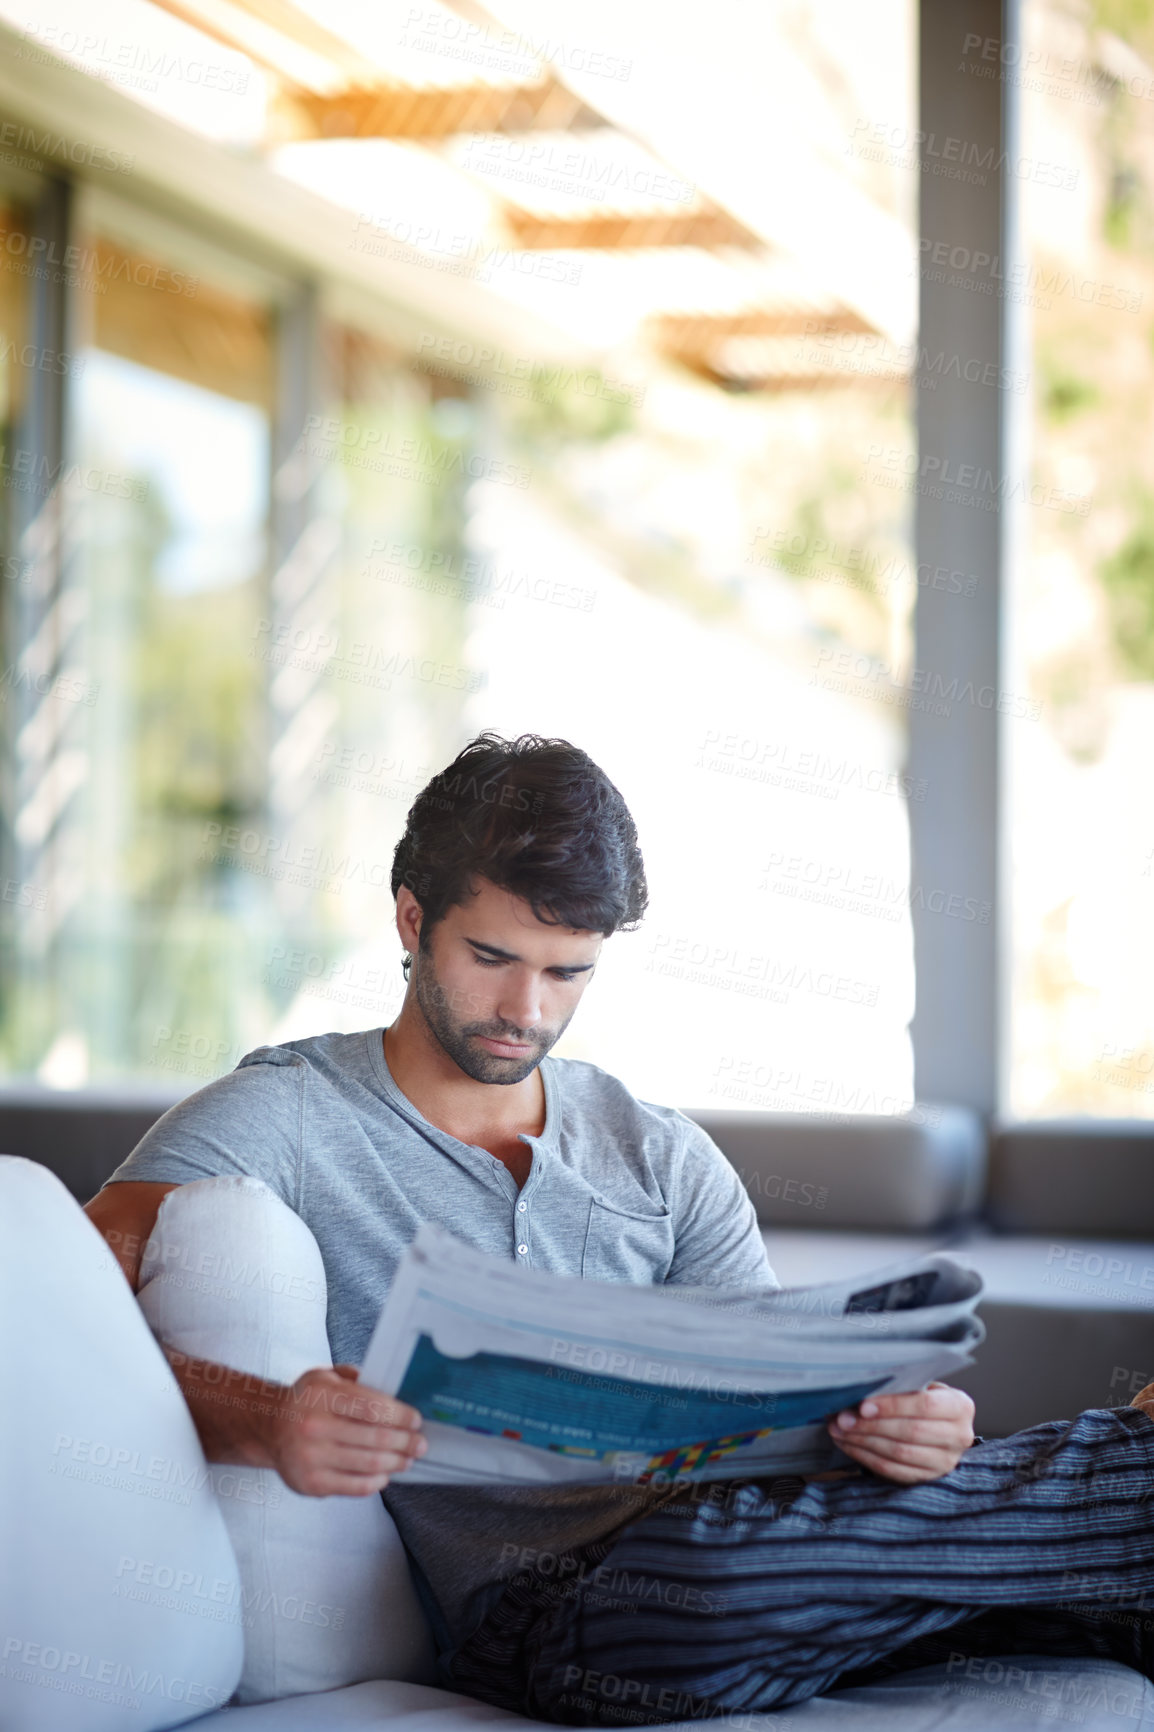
(527, 1378)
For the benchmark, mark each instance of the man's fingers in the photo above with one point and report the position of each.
(369, 1464)
(382, 1409)
(371, 1408)
(893, 1449)
(322, 1464)
(935, 1416)
(942, 1432)
(336, 1434)
(937, 1402)
(331, 1390)
(396, 1412)
(355, 1448)
(901, 1473)
(338, 1484)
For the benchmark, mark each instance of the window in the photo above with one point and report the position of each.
(1082, 607)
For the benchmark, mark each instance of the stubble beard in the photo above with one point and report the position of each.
(457, 1040)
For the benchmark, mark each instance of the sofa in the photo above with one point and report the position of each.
(833, 1196)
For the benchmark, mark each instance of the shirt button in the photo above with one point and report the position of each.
(521, 1207)
(522, 1250)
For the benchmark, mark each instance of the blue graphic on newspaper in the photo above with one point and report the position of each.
(578, 1413)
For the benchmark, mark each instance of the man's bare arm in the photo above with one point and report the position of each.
(325, 1434)
(125, 1215)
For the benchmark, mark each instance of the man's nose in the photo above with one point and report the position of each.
(521, 1002)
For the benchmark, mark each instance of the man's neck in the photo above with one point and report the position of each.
(491, 1116)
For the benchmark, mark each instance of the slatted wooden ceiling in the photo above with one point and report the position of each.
(326, 89)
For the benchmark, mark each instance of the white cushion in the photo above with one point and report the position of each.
(103, 1473)
(230, 1274)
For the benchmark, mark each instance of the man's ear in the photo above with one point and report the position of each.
(409, 919)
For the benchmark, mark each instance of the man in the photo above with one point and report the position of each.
(517, 862)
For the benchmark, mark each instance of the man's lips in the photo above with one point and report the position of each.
(506, 1048)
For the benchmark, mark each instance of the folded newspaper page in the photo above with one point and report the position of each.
(527, 1378)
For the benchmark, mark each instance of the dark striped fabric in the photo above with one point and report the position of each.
(754, 1596)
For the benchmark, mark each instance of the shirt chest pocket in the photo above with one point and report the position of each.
(621, 1245)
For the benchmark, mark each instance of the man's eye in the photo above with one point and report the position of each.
(559, 974)
(488, 961)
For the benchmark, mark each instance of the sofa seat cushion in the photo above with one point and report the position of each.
(962, 1695)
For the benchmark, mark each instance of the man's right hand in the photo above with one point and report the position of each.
(326, 1434)
(329, 1435)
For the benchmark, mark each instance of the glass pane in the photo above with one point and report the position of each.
(1082, 812)
(380, 657)
(148, 963)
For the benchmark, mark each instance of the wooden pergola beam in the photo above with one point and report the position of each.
(403, 111)
(272, 34)
(698, 333)
(708, 227)
(768, 382)
(357, 101)
(300, 27)
(698, 341)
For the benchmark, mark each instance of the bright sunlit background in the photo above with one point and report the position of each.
(661, 515)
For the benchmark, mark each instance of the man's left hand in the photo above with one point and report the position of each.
(908, 1438)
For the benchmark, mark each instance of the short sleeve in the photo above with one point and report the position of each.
(717, 1239)
(248, 1122)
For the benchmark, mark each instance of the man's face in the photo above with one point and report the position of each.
(497, 986)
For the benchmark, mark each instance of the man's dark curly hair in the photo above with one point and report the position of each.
(536, 817)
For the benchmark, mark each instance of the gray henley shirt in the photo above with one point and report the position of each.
(619, 1190)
